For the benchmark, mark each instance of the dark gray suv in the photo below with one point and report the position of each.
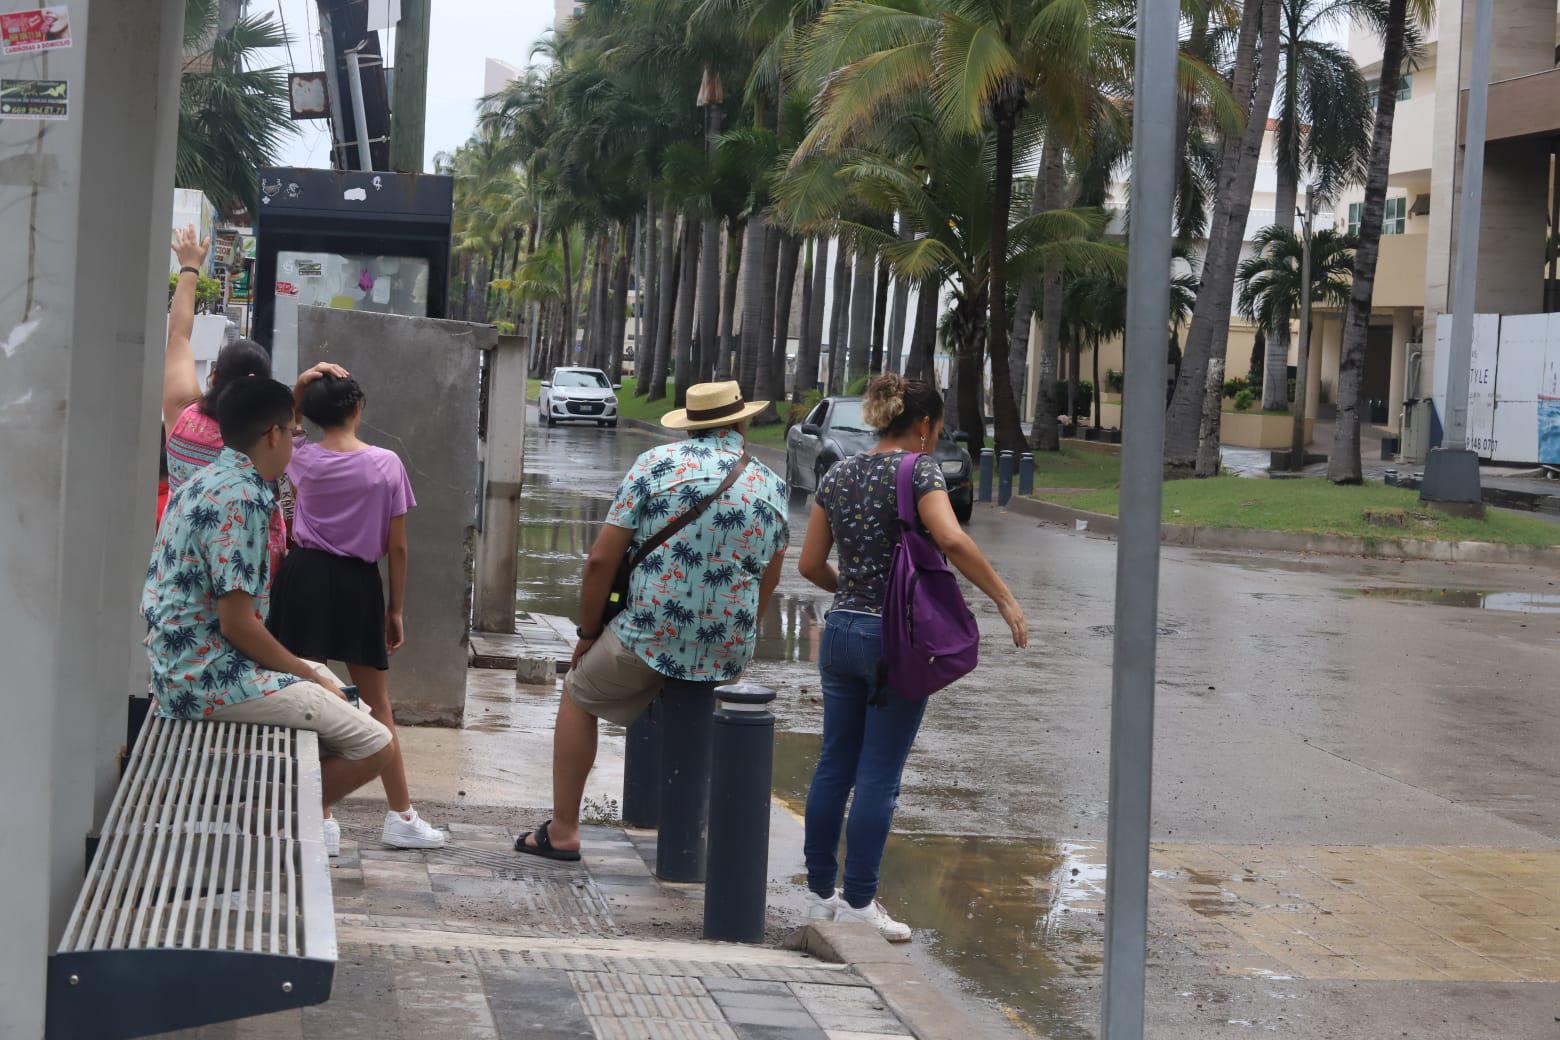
(835, 430)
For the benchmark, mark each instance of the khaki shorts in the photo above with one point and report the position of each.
(345, 731)
(612, 682)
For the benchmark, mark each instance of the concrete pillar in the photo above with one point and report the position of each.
(85, 208)
(421, 378)
(1332, 350)
(498, 548)
(1402, 329)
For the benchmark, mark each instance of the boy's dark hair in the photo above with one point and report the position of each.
(248, 408)
(329, 401)
(240, 359)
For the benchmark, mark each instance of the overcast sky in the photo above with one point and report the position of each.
(465, 33)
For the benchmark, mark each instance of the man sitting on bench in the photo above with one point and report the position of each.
(207, 594)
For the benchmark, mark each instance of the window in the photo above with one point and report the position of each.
(1394, 220)
(1396, 216)
(584, 378)
(847, 417)
(1404, 92)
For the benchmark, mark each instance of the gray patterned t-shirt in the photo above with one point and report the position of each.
(861, 498)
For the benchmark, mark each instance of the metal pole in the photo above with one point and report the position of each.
(338, 114)
(1297, 438)
(1004, 478)
(1026, 473)
(359, 114)
(1465, 285)
(741, 771)
(1137, 547)
(642, 771)
(985, 475)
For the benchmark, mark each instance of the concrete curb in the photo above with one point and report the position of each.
(774, 458)
(914, 999)
(1384, 548)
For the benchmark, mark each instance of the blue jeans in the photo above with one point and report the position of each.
(864, 748)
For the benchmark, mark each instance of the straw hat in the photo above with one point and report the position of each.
(711, 405)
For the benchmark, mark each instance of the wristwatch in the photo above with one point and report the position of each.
(580, 633)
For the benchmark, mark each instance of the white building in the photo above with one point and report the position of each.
(498, 74)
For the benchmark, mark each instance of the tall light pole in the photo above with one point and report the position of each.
(1297, 438)
(1137, 545)
(1452, 471)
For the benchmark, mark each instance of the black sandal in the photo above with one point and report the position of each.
(544, 846)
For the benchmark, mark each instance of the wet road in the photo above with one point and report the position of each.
(1307, 707)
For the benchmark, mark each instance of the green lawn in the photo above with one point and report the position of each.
(1309, 505)
(632, 406)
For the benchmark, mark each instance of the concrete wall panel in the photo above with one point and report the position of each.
(421, 378)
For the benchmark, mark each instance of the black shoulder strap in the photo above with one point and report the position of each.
(691, 515)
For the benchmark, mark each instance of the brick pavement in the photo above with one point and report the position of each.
(473, 942)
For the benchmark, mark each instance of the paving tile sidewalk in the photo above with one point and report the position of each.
(474, 942)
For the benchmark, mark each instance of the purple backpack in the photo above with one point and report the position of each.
(929, 636)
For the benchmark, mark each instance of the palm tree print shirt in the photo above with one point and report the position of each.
(693, 603)
(212, 541)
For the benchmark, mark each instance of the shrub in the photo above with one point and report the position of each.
(797, 410)
(1115, 382)
(1233, 387)
(1244, 399)
(856, 387)
(1083, 406)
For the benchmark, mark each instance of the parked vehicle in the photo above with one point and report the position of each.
(579, 395)
(835, 430)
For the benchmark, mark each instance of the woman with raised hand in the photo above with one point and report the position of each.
(868, 728)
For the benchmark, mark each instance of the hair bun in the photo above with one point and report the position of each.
(883, 400)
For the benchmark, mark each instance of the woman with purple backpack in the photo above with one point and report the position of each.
(868, 726)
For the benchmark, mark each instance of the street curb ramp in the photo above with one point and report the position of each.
(1241, 538)
(914, 999)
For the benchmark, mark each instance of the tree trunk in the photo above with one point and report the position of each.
(1099, 390)
(764, 341)
(1275, 369)
(1053, 181)
(1252, 88)
(620, 305)
(860, 350)
(1004, 406)
(785, 290)
(650, 286)
(879, 319)
(665, 318)
(735, 238)
(1343, 463)
(896, 323)
(1023, 318)
(571, 293)
(709, 300)
(683, 347)
(924, 335)
(1074, 391)
(752, 304)
(970, 317)
(806, 376)
(839, 322)
(1212, 412)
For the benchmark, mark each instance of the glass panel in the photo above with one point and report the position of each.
(566, 377)
(847, 417)
(354, 282)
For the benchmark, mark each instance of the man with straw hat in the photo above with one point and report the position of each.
(706, 526)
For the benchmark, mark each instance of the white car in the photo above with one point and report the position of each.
(579, 395)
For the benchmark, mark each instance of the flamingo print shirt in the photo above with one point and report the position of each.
(693, 603)
(212, 541)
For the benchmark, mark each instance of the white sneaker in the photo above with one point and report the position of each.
(332, 837)
(821, 909)
(874, 915)
(410, 831)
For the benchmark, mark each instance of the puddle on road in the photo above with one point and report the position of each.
(1011, 916)
(1475, 599)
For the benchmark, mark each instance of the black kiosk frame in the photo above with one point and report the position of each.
(349, 212)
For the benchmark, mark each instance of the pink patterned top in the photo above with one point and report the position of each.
(193, 444)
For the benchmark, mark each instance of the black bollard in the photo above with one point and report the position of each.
(1005, 478)
(687, 719)
(742, 767)
(642, 771)
(1026, 473)
(985, 475)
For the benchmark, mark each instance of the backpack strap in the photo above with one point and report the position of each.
(905, 488)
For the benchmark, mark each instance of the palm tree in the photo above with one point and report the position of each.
(1323, 129)
(1252, 82)
(1402, 18)
(233, 117)
(1270, 288)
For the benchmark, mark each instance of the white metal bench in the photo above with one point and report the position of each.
(209, 896)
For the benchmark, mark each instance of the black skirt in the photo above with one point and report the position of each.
(326, 607)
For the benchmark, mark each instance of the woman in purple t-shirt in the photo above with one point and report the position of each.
(328, 603)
